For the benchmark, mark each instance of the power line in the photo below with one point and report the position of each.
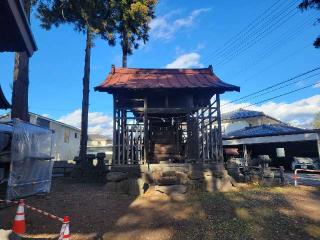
(276, 18)
(273, 86)
(245, 30)
(276, 63)
(280, 95)
(289, 35)
(286, 85)
(284, 94)
(239, 41)
(257, 39)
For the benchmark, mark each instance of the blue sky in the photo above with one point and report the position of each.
(184, 34)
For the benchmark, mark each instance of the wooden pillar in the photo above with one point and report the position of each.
(202, 135)
(210, 132)
(118, 138)
(220, 147)
(114, 138)
(124, 136)
(146, 132)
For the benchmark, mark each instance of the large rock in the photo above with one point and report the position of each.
(182, 177)
(173, 189)
(156, 175)
(116, 176)
(220, 173)
(195, 175)
(168, 180)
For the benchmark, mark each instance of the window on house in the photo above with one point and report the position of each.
(76, 135)
(280, 152)
(42, 122)
(66, 135)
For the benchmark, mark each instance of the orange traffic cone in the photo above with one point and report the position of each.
(65, 232)
(19, 224)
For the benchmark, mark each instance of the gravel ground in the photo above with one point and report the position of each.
(250, 212)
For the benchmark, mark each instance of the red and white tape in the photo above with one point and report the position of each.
(36, 210)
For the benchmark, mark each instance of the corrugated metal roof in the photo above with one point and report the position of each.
(264, 130)
(4, 104)
(240, 114)
(143, 78)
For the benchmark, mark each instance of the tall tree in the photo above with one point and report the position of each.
(133, 18)
(20, 93)
(93, 18)
(312, 4)
(316, 121)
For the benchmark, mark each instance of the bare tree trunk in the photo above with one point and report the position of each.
(85, 101)
(20, 108)
(124, 50)
(124, 57)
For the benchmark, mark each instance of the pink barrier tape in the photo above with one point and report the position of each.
(36, 210)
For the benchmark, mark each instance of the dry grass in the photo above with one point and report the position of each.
(250, 212)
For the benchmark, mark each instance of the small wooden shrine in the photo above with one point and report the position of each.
(165, 115)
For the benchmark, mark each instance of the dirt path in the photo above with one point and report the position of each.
(249, 213)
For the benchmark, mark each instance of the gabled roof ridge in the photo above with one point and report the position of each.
(162, 78)
(161, 70)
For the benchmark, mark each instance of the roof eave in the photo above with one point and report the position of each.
(219, 90)
(23, 25)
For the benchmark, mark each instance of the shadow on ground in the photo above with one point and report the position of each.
(246, 213)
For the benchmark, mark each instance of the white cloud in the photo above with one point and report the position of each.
(299, 113)
(99, 122)
(165, 28)
(186, 61)
(317, 85)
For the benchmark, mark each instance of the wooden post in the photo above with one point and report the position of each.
(188, 145)
(114, 140)
(210, 132)
(220, 147)
(118, 125)
(202, 135)
(146, 132)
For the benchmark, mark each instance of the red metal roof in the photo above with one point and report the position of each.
(143, 78)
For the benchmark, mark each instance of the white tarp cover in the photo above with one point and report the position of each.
(31, 160)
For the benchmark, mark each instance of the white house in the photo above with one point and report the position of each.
(99, 143)
(67, 138)
(255, 133)
(242, 118)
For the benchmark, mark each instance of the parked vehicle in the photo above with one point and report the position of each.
(304, 163)
(239, 162)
